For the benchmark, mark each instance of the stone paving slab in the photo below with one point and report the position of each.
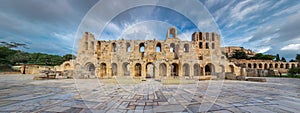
(19, 93)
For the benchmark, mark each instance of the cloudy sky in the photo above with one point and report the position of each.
(50, 26)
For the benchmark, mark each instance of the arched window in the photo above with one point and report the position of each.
(207, 45)
(158, 47)
(172, 47)
(127, 47)
(213, 37)
(200, 36)
(92, 45)
(86, 46)
(200, 45)
(186, 48)
(114, 47)
(213, 45)
(207, 36)
(142, 47)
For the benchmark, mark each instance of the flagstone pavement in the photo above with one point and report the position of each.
(19, 93)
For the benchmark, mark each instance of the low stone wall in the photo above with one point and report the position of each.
(264, 73)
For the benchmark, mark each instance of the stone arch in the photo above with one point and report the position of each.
(260, 66)
(172, 32)
(213, 37)
(270, 65)
(114, 68)
(197, 70)
(138, 70)
(293, 65)
(249, 65)
(174, 70)
(67, 66)
(254, 65)
(209, 69)
(142, 47)
(231, 68)
(150, 70)
(186, 48)
(207, 45)
(103, 70)
(90, 68)
(186, 69)
(172, 47)
(128, 47)
(200, 45)
(158, 47)
(265, 66)
(126, 69)
(287, 66)
(114, 47)
(276, 65)
(281, 65)
(207, 36)
(163, 69)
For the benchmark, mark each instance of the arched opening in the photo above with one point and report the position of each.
(186, 48)
(293, 66)
(254, 65)
(174, 70)
(249, 66)
(213, 46)
(163, 69)
(92, 45)
(150, 70)
(138, 70)
(126, 69)
(102, 70)
(186, 70)
(260, 66)
(127, 47)
(270, 65)
(287, 66)
(114, 67)
(231, 68)
(207, 36)
(266, 66)
(209, 69)
(213, 37)
(200, 36)
(158, 47)
(298, 65)
(172, 32)
(142, 47)
(114, 47)
(207, 45)
(281, 65)
(172, 47)
(200, 45)
(276, 65)
(197, 70)
(86, 46)
(67, 66)
(90, 68)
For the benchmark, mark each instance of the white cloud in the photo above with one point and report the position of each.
(262, 49)
(291, 47)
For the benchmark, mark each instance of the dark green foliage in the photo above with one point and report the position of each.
(12, 57)
(298, 57)
(294, 71)
(283, 59)
(239, 55)
(260, 56)
(277, 58)
(292, 60)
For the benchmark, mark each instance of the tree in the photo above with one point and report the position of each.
(277, 58)
(260, 56)
(68, 57)
(294, 71)
(298, 58)
(292, 60)
(283, 59)
(238, 54)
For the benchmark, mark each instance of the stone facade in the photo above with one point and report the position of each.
(169, 58)
(231, 49)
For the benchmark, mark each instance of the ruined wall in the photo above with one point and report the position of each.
(172, 57)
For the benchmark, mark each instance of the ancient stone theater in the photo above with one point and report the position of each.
(169, 58)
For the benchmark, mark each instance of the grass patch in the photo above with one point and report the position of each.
(285, 76)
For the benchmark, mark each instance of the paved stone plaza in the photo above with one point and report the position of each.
(21, 93)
